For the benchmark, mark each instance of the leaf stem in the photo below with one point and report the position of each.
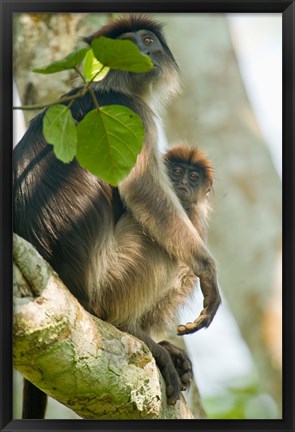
(94, 98)
(80, 74)
(90, 89)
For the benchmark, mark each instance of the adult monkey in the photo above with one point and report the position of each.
(70, 216)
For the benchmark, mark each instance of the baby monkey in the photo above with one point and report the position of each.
(191, 174)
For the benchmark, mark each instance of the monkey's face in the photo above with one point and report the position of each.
(188, 181)
(164, 73)
(159, 84)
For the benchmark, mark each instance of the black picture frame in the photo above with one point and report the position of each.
(287, 8)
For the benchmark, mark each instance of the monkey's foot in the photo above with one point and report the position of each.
(181, 363)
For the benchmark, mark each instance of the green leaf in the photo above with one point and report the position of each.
(93, 69)
(69, 62)
(59, 130)
(120, 54)
(109, 141)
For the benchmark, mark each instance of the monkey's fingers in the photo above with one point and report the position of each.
(211, 303)
(187, 328)
(202, 321)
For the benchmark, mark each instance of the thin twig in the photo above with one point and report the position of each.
(59, 101)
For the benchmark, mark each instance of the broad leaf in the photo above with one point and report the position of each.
(69, 62)
(120, 54)
(93, 69)
(59, 130)
(109, 141)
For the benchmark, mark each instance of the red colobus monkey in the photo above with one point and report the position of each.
(75, 220)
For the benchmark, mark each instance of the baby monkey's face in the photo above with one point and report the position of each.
(187, 180)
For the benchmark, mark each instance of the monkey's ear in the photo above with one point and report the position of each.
(208, 187)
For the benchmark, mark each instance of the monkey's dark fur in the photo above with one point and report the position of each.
(113, 247)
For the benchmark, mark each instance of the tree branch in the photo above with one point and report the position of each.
(83, 362)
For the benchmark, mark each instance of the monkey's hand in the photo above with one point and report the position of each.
(211, 303)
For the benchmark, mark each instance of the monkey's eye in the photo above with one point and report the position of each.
(148, 40)
(194, 176)
(177, 172)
